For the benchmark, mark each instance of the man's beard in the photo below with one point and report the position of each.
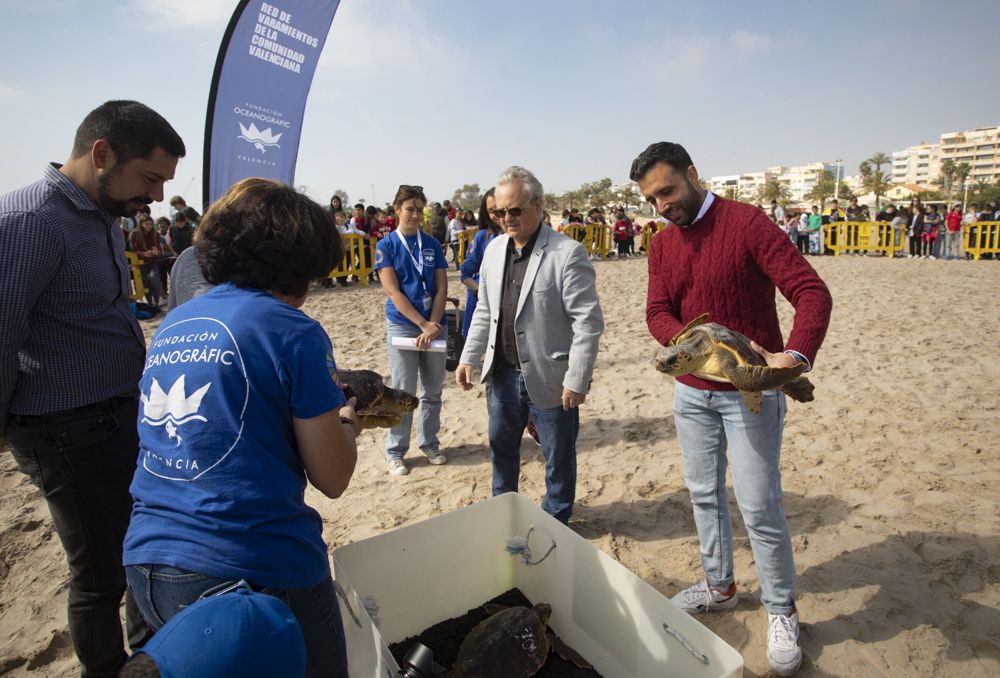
(688, 209)
(116, 208)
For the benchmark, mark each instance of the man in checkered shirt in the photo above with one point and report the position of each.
(71, 354)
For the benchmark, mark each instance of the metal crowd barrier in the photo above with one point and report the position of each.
(359, 258)
(982, 237)
(138, 289)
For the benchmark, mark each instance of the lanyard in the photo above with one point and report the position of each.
(418, 262)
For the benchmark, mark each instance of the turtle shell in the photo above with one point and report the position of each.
(511, 643)
(378, 406)
(716, 353)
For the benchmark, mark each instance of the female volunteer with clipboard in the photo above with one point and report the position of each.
(413, 272)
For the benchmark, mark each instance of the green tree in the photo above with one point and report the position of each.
(731, 193)
(945, 180)
(772, 189)
(874, 179)
(824, 189)
(596, 193)
(553, 202)
(629, 196)
(342, 194)
(468, 197)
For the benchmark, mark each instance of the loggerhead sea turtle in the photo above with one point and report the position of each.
(379, 406)
(717, 353)
(513, 642)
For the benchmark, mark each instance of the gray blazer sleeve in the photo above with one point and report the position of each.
(587, 320)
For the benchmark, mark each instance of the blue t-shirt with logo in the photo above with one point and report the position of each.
(219, 485)
(390, 253)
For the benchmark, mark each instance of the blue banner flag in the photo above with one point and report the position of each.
(259, 89)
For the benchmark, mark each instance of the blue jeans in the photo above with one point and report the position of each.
(509, 407)
(162, 591)
(406, 367)
(82, 460)
(707, 422)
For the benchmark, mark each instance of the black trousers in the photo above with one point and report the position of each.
(83, 460)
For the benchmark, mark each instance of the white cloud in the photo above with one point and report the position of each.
(186, 13)
(746, 41)
(8, 92)
(363, 39)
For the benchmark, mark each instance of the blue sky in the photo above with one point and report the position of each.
(446, 92)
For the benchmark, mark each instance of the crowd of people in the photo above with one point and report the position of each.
(919, 229)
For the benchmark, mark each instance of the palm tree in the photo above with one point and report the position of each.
(731, 193)
(873, 178)
(826, 186)
(878, 159)
(946, 177)
(772, 189)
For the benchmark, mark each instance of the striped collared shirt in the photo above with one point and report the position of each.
(67, 334)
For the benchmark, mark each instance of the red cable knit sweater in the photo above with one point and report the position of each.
(727, 264)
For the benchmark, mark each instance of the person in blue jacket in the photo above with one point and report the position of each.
(488, 229)
(240, 409)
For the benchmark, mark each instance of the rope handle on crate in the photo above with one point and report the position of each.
(703, 658)
(519, 546)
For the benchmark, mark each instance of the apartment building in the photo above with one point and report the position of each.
(918, 164)
(979, 148)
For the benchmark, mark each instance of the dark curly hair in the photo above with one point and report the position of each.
(662, 151)
(265, 234)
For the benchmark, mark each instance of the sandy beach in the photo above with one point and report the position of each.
(891, 477)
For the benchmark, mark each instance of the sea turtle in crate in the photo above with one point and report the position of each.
(717, 353)
(379, 406)
(513, 642)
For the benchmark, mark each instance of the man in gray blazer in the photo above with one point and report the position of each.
(535, 331)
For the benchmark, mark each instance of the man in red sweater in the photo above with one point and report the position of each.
(726, 258)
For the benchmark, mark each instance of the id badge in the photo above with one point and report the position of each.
(428, 301)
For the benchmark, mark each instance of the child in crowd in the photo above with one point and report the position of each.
(931, 221)
(621, 235)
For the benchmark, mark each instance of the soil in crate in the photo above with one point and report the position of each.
(444, 639)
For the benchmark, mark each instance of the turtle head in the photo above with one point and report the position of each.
(543, 610)
(675, 361)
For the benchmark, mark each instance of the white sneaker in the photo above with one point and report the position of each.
(703, 598)
(783, 650)
(397, 467)
(435, 457)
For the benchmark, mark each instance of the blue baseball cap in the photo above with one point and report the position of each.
(240, 633)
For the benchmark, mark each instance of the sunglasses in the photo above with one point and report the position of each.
(513, 211)
(407, 187)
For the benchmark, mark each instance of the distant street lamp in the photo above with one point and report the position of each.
(965, 197)
(836, 184)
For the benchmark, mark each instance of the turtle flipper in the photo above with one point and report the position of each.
(566, 652)
(700, 320)
(753, 399)
(801, 390)
(763, 378)
(379, 421)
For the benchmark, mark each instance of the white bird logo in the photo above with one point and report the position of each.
(173, 408)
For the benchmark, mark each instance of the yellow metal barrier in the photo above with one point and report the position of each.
(597, 239)
(861, 236)
(982, 237)
(359, 258)
(138, 289)
(464, 241)
(649, 230)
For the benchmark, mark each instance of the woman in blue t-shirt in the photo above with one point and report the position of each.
(240, 408)
(488, 229)
(411, 266)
